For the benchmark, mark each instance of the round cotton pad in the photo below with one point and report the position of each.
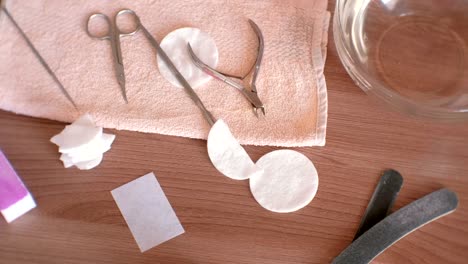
(76, 135)
(227, 155)
(289, 181)
(82, 144)
(87, 165)
(92, 151)
(175, 46)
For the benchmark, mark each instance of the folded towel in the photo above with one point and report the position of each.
(291, 82)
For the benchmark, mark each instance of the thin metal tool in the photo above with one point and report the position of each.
(114, 33)
(206, 114)
(382, 200)
(39, 57)
(250, 94)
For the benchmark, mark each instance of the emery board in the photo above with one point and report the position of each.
(397, 225)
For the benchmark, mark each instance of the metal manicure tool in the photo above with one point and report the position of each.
(39, 57)
(250, 94)
(378, 231)
(113, 34)
(207, 115)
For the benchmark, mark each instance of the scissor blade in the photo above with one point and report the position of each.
(120, 74)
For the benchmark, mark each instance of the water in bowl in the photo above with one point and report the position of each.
(416, 48)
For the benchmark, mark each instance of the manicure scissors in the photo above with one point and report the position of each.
(113, 34)
(250, 94)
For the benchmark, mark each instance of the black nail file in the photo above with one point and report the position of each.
(381, 201)
(397, 225)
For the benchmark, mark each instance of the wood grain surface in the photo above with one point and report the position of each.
(77, 221)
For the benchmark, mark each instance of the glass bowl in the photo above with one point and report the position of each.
(413, 54)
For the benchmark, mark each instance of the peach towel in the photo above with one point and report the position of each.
(291, 82)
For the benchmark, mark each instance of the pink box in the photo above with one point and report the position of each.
(15, 199)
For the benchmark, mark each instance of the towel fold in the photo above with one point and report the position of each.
(290, 84)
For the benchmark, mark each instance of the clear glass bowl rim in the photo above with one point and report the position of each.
(372, 86)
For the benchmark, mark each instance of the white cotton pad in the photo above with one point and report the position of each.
(67, 161)
(85, 121)
(87, 165)
(76, 135)
(227, 155)
(289, 181)
(82, 165)
(92, 150)
(175, 46)
(82, 144)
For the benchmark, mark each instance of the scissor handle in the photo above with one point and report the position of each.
(107, 35)
(135, 17)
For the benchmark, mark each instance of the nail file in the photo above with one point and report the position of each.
(397, 225)
(382, 200)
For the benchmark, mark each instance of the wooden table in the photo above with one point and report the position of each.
(77, 221)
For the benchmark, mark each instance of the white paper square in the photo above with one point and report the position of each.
(147, 211)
